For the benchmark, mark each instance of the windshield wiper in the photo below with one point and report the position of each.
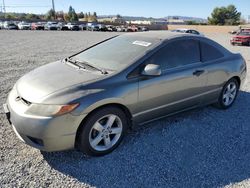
(75, 63)
(83, 64)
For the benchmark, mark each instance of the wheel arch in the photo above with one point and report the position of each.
(236, 78)
(117, 105)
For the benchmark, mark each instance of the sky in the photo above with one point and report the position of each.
(146, 8)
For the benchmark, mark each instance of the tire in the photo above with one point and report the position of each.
(225, 101)
(95, 137)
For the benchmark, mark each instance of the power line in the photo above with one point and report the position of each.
(23, 6)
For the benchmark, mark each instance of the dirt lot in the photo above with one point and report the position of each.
(201, 148)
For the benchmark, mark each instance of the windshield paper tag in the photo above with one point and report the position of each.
(142, 43)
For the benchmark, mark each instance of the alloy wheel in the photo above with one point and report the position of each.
(105, 132)
(229, 93)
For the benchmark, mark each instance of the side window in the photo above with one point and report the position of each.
(195, 32)
(209, 53)
(176, 54)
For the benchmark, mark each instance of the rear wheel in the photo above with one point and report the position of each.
(103, 131)
(228, 94)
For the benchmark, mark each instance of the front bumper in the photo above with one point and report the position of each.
(44, 133)
(238, 42)
(52, 28)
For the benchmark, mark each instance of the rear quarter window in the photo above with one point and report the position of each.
(209, 52)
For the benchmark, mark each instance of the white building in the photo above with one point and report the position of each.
(147, 22)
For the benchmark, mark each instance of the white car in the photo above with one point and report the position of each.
(9, 25)
(1, 25)
(72, 26)
(190, 31)
(24, 26)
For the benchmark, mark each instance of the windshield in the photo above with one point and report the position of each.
(244, 34)
(116, 53)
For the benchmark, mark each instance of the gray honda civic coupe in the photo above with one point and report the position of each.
(87, 101)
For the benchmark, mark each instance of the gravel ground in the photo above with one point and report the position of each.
(202, 148)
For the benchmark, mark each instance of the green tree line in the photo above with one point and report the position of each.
(225, 16)
(69, 16)
(220, 16)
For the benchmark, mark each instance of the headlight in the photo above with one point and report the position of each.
(50, 110)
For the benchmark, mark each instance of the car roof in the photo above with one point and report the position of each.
(160, 35)
(182, 29)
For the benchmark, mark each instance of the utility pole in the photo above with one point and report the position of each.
(53, 7)
(4, 10)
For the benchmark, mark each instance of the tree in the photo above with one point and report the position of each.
(50, 15)
(225, 16)
(32, 17)
(85, 17)
(190, 22)
(10, 16)
(60, 15)
(81, 15)
(72, 14)
(94, 17)
(66, 17)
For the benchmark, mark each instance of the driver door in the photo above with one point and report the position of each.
(180, 86)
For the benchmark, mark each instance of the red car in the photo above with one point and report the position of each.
(132, 29)
(241, 38)
(37, 26)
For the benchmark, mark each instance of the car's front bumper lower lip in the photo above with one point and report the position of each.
(239, 42)
(44, 133)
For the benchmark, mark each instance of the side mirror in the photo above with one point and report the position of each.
(151, 70)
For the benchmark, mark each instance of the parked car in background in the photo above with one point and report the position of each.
(111, 28)
(72, 26)
(121, 29)
(93, 27)
(82, 27)
(10, 25)
(51, 26)
(62, 26)
(24, 25)
(190, 31)
(132, 28)
(90, 99)
(37, 26)
(242, 38)
(102, 27)
(1, 25)
(143, 28)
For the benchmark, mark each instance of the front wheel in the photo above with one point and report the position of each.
(228, 94)
(103, 131)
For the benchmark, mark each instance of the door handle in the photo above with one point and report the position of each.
(198, 72)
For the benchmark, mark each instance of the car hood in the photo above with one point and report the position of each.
(52, 78)
(241, 37)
